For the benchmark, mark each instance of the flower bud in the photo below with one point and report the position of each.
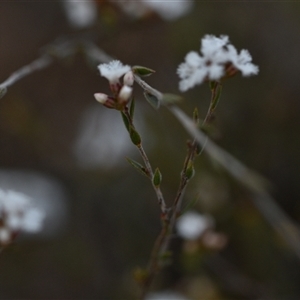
(101, 98)
(128, 78)
(125, 94)
(107, 101)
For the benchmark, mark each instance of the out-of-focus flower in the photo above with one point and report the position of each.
(81, 14)
(17, 214)
(218, 59)
(165, 295)
(192, 225)
(47, 194)
(113, 70)
(168, 9)
(101, 141)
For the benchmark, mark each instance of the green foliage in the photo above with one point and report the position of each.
(142, 71)
(138, 166)
(125, 120)
(157, 177)
(134, 136)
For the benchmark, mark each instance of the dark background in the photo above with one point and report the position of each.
(111, 218)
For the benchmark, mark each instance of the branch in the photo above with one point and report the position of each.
(61, 49)
(40, 63)
(249, 179)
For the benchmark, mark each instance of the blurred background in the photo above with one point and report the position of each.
(68, 152)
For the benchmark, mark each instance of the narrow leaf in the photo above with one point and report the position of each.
(142, 71)
(132, 106)
(157, 177)
(217, 98)
(135, 137)
(190, 170)
(125, 120)
(138, 166)
(152, 100)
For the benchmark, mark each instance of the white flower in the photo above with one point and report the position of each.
(16, 214)
(192, 225)
(242, 61)
(113, 70)
(217, 54)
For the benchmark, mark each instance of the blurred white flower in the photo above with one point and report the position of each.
(113, 70)
(165, 295)
(17, 213)
(192, 225)
(217, 56)
(46, 194)
(168, 9)
(102, 140)
(82, 13)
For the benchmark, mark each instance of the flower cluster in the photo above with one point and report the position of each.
(219, 59)
(113, 71)
(17, 214)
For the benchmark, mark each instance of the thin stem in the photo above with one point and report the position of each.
(163, 240)
(213, 102)
(38, 64)
(159, 194)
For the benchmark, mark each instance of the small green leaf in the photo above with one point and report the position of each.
(132, 106)
(142, 71)
(134, 135)
(125, 120)
(152, 100)
(157, 177)
(138, 166)
(3, 92)
(171, 98)
(190, 170)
